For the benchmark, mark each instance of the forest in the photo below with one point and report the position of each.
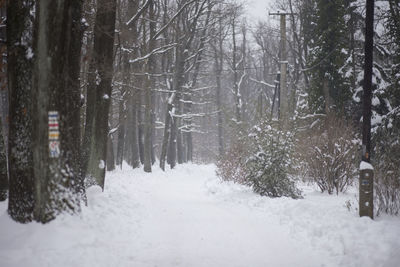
(92, 87)
(158, 83)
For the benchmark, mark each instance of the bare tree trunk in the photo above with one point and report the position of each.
(148, 87)
(218, 63)
(129, 41)
(177, 87)
(110, 154)
(3, 170)
(121, 130)
(235, 74)
(21, 200)
(140, 127)
(3, 104)
(219, 104)
(167, 130)
(179, 141)
(135, 160)
(56, 157)
(96, 137)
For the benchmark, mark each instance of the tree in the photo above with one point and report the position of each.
(148, 143)
(56, 105)
(3, 104)
(3, 169)
(328, 90)
(99, 93)
(130, 50)
(20, 72)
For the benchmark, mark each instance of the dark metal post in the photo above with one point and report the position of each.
(366, 174)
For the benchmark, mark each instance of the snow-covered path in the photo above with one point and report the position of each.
(186, 217)
(184, 225)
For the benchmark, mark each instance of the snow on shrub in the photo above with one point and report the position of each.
(267, 170)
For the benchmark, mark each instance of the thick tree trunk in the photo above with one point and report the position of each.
(99, 94)
(129, 39)
(20, 155)
(58, 183)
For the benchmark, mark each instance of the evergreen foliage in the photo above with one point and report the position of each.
(328, 51)
(267, 170)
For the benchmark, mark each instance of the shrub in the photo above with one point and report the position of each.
(267, 169)
(329, 152)
(231, 166)
(387, 171)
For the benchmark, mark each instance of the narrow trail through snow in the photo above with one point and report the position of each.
(185, 225)
(187, 217)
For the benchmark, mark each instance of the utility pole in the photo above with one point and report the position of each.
(366, 170)
(283, 106)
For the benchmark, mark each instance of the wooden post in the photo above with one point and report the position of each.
(283, 84)
(366, 201)
(283, 103)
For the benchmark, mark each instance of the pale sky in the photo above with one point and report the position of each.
(257, 9)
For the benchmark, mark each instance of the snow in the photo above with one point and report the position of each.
(187, 217)
(102, 164)
(365, 166)
(29, 53)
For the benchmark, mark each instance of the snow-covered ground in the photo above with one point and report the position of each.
(187, 217)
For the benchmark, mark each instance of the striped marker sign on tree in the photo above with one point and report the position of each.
(54, 135)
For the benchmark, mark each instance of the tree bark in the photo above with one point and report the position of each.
(177, 87)
(3, 170)
(58, 184)
(167, 130)
(3, 105)
(110, 154)
(140, 127)
(20, 155)
(121, 130)
(134, 145)
(148, 94)
(99, 94)
(235, 74)
(367, 97)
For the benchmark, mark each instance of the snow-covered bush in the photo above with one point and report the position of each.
(387, 171)
(267, 170)
(329, 151)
